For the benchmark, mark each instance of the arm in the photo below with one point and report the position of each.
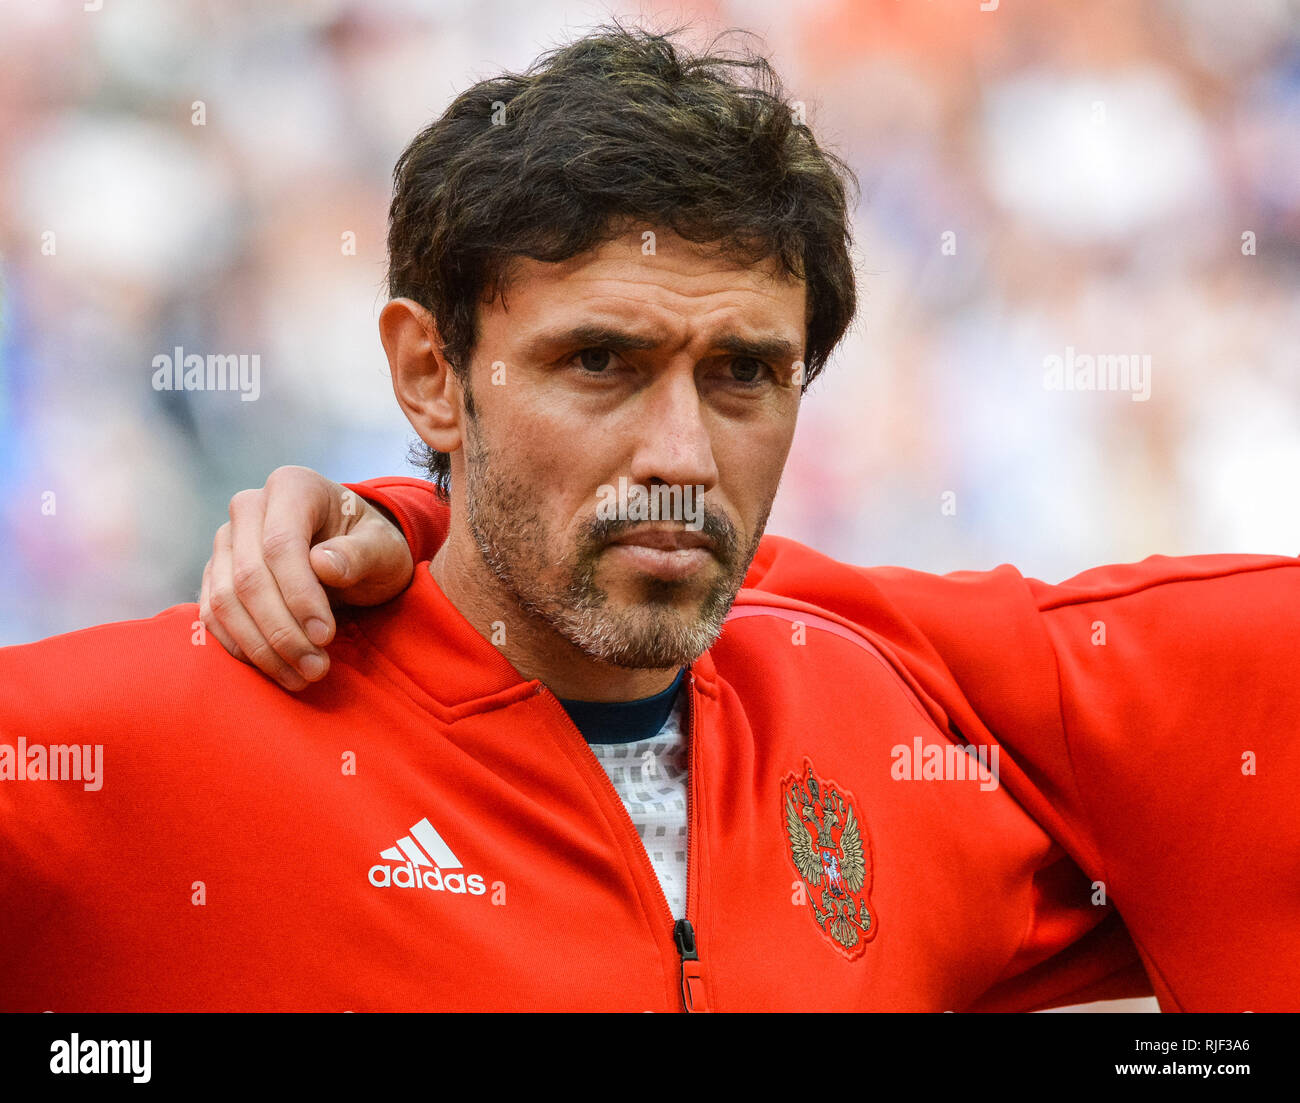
(1146, 716)
(1172, 755)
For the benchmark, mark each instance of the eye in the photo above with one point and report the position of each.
(746, 369)
(593, 360)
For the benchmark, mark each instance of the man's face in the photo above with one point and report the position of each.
(670, 370)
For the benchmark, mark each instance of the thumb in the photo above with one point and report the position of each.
(332, 563)
(366, 566)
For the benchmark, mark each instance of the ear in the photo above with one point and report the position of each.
(423, 381)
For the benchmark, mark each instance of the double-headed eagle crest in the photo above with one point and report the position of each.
(827, 849)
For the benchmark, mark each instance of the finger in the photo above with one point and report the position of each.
(258, 592)
(229, 610)
(369, 565)
(210, 622)
(297, 505)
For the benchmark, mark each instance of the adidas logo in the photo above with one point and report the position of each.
(423, 856)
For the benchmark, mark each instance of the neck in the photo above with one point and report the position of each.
(528, 643)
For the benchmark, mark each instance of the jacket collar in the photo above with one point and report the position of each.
(428, 639)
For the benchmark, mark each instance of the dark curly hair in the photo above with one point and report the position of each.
(620, 125)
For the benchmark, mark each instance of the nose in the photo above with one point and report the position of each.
(673, 435)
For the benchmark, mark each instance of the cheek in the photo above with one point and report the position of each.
(570, 459)
(530, 428)
(750, 466)
(544, 483)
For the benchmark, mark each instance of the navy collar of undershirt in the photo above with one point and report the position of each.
(623, 721)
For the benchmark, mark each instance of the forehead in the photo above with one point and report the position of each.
(670, 286)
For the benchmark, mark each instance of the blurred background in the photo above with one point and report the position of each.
(1046, 180)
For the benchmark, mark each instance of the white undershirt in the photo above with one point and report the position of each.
(650, 777)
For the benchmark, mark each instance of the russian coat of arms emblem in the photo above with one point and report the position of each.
(831, 852)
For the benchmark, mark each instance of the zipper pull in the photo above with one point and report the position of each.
(692, 973)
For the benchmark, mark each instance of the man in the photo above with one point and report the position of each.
(623, 287)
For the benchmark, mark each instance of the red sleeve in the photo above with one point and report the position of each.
(1146, 715)
(1175, 757)
(418, 507)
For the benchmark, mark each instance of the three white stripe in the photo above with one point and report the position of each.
(434, 847)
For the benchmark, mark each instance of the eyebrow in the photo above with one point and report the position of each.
(765, 347)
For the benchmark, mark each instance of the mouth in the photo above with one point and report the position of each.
(673, 555)
(661, 539)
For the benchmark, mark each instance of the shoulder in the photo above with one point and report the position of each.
(884, 595)
(119, 672)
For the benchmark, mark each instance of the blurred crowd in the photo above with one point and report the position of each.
(1038, 180)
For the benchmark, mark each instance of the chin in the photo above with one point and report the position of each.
(641, 639)
(628, 589)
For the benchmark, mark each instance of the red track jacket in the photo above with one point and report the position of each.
(1147, 714)
(426, 830)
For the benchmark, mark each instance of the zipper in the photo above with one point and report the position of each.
(692, 978)
(692, 970)
(679, 933)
